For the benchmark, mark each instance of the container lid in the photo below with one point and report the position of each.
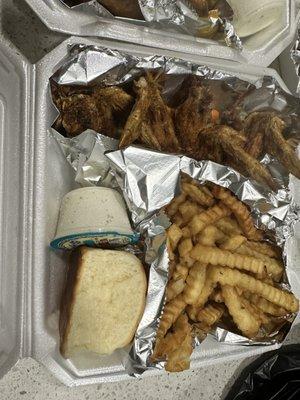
(259, 49)
(15, 75)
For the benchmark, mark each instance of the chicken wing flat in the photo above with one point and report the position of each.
(223, 138)
(274, 143)
(253, 168)
(150, 121)
(193, 115)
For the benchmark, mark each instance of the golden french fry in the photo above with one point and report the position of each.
(210, 314)
(209, 236)
(174, 288)
(263, 248)
(179, 359)
(196, 194)
(274, 267)
(172, 208)
(265, 305)
(227, 276)
(245, 320)
(171, 312)
(180, 272)
(176, 283)
(229, 226)
(194, 283)
(188, 210)
(240, 211)
(200, 331)
(255, 311)
(174, 234)
(233, 243)
(173, 340)
(208, 217)
(207, 290)
(216, 256)
(185, 246)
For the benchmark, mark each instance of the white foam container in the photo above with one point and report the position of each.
(259, 49)
(32, 186)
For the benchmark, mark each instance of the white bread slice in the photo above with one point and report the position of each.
(103, 301)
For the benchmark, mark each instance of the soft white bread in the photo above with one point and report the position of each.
(103, 301)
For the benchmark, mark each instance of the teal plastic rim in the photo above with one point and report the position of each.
(90, 239)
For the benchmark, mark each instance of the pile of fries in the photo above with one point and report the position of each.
(220, 269)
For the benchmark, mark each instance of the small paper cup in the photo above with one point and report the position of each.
(93, 216)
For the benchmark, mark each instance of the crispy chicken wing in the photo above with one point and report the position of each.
(193, 115)
(150, 121)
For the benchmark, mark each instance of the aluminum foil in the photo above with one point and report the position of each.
(171, 15)
(149, 180)
(295, 54)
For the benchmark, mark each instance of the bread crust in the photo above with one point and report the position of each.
(68, 297)
(74, 275)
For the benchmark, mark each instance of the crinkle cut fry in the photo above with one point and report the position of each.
(274, 267)
(208, 217)
(263, 248)
(227, 276)
(265, 305)
(233, 243)
(237, 308)
(210, 236)
(174, 339)
(196, 194)
(240, 211)
(172, 208)
(194, 283)
(176, 284)
(207, 290)
(179, 359)
(216, 256)
(174, 234)
(209, 315)
(229, 226)
(171, 312)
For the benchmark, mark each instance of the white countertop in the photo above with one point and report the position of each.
(29, 380)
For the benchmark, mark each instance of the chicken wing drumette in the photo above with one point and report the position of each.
(95, 110)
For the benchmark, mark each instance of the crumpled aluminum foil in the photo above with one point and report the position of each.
(148, 186)
(169, 15)
(295, 54)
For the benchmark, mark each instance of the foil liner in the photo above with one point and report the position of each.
(169, 15)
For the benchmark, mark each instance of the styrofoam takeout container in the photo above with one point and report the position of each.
(33, 183)
(259, 49)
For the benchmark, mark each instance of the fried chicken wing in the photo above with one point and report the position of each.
(81, 112)
(93, 108)
(271, 127)
(151, 121)
(193, 115)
